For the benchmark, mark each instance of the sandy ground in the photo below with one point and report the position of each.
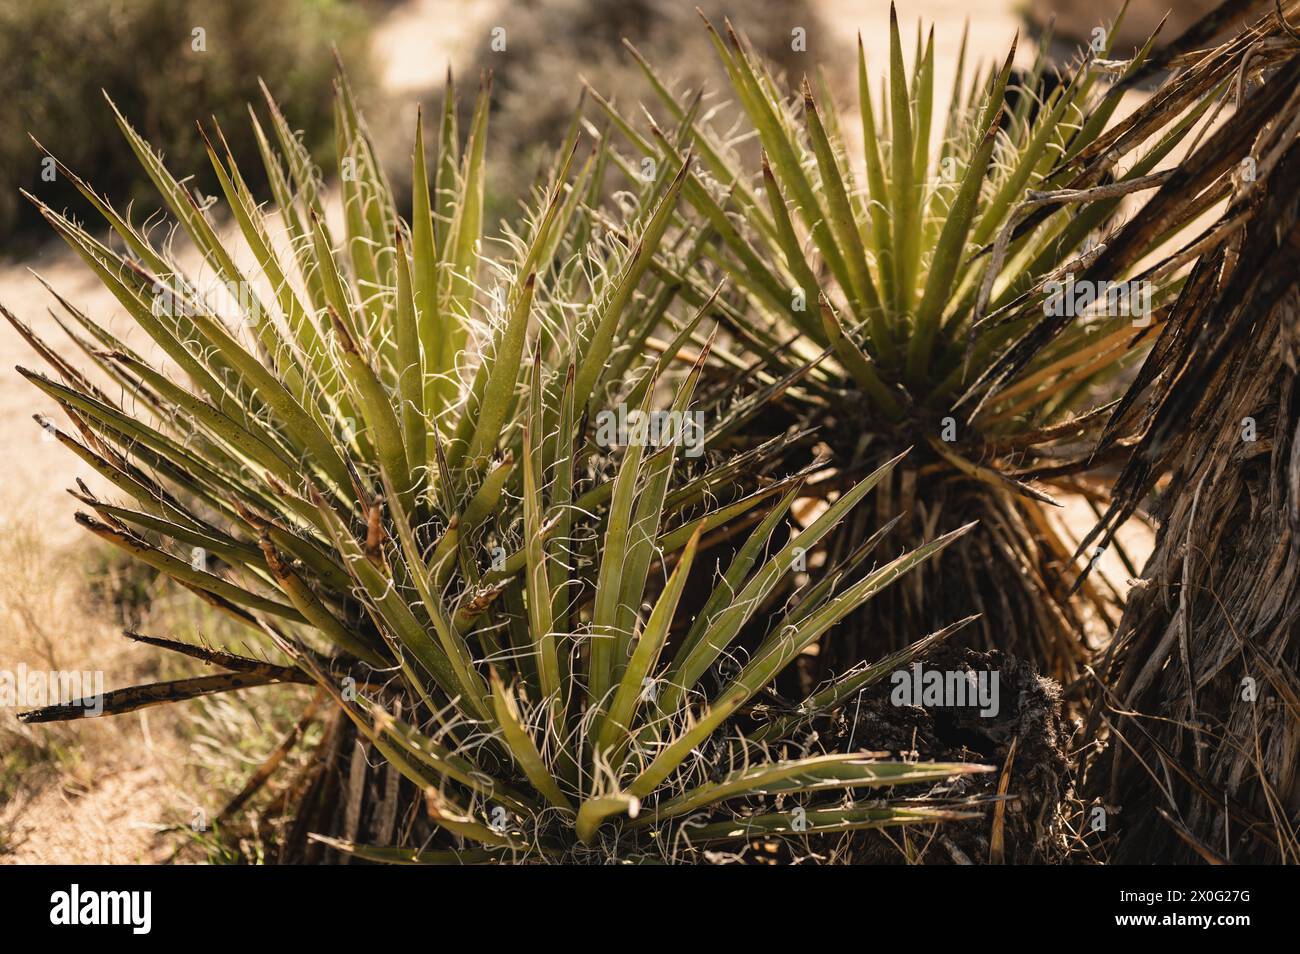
(124, 784)
(36, 468)
(113, 821)
(90, 792)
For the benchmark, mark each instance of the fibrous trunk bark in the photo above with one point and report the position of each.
(1199, 718)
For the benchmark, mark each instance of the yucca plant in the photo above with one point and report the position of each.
(378, 449)
(910, 296)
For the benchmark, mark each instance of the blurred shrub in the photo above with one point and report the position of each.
(56, 56)
(551, 45)
(1074, 20)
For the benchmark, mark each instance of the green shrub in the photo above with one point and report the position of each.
(56, 57)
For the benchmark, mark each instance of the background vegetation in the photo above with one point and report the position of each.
(56, 57)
